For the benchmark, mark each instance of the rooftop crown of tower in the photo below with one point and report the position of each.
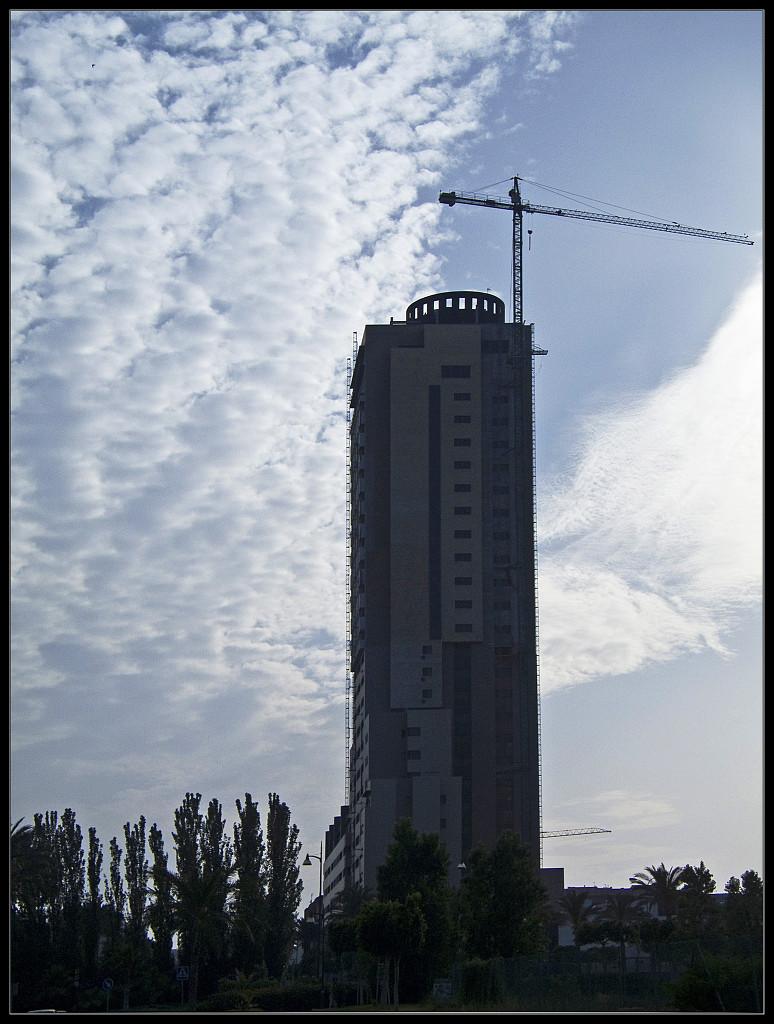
(457, 308)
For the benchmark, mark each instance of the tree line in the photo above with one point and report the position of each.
(79, 918)
(83, 918)
(416, 927)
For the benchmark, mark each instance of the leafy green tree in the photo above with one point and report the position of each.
(28, 866)
(284, 886)
(418, 863)
(161, 911)
(342, 935)
(136, 871)
(31, 869)
(48, 898)
(72, 872)
(134, 953)
(415, 862)
(744, 905)
(502, 902)
(695, 910)
(93, 907)
(250, 889)
(202, 884)
(389, 930)
(662, 885)
(115, 895)
(349, 901)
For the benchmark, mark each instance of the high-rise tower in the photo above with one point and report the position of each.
(444, 693)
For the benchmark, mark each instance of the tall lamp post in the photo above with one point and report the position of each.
(307, 863)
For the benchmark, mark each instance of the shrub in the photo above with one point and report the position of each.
(733, 981)
(301, 995)
(221, 1001)
(480, 981)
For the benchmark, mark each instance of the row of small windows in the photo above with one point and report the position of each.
(463, 302)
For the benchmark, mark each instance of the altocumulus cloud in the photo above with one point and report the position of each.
(653, 540)
(205, 205)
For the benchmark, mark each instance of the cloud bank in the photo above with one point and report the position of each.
(205, 206)
(653, 539)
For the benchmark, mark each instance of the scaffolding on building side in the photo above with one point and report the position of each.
(348, 577)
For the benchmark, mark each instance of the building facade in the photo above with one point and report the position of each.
(443, 648)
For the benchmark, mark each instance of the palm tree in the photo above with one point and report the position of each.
(663, 883)
(30, 866)
(578, 908)
(201, 914)
(622, 909)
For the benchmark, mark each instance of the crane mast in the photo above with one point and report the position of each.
(518, 208)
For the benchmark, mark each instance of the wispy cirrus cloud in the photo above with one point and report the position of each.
(205, 205)
(653, 538)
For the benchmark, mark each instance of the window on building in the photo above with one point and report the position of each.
(463, 604)
(463, 556)
(462, 442)
(463, 581)
(463, 534)
(462, 464)
(462, 419)
(455, 371)
(462, 396)
(462, 488)
(462, 510)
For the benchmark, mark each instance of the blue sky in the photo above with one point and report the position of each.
(206, 205)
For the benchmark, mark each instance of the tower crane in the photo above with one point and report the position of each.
(573, 832)
(518, 207)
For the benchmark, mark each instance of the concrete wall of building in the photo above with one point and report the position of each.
(444, 621)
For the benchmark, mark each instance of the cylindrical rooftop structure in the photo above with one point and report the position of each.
(457, 308)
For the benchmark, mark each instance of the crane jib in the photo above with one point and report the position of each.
(498, 203)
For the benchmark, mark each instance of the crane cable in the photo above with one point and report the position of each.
(589, 200)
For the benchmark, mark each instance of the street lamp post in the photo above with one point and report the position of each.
(321, 938)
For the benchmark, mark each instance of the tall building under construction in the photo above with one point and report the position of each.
(443, 711)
